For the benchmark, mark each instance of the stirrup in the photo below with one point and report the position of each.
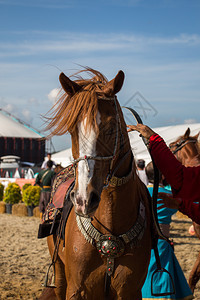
(162, 270)
(52, 283)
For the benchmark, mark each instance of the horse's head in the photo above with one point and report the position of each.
(185, 147)
(58, 168)
(91, 113)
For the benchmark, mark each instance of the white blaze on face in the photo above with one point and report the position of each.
(87, 146)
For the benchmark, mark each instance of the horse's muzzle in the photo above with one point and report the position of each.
(85, 206)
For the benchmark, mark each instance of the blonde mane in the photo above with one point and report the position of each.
(68, 111)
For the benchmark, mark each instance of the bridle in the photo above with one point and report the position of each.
(182, 143)
(112, 157)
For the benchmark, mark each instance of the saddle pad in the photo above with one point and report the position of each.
(61, 184)
(59, 195)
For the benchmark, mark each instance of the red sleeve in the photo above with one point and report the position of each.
(166, 162)
(185, 181)
(192, 210)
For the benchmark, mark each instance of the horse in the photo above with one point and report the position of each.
(107, 245)
(58, 168)
(187, 151)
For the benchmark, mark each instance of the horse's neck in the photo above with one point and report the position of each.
(118, 208)
(191, 158)
(192, 162)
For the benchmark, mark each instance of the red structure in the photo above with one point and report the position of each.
(28, 149)
(18, 139)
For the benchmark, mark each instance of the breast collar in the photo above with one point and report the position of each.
(108, 245)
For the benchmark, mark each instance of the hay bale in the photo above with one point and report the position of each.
(19, 209)
(179, 215)
(2, 207)
(36, 212)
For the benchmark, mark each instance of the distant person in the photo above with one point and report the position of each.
(140, 164)
(169, 262)
(44, 164)
(44, 180)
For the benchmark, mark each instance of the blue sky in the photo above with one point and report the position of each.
(156, 44)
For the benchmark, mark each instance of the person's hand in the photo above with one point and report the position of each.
(144, 130)
(168, 201)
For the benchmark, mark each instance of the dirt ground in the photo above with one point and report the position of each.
(24, 259)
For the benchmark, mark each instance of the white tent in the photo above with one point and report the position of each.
(12, 127)
(168, 133)
(64, 157)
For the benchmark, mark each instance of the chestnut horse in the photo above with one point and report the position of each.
(108, 233)
(187, 151)
(58, 168)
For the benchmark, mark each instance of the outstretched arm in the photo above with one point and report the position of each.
(189, 208)
(168, 201)
(169, 166)
(184, 181)
(144, 130)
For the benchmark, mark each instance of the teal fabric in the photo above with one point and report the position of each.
(162, 282)
(164, 214)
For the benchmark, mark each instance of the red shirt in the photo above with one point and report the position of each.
(185, 181)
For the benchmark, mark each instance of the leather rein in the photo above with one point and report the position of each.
(159, 268)
(156, 178)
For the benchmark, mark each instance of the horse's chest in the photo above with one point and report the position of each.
(88, 260)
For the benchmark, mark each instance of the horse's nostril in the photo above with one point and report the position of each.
(94, 199)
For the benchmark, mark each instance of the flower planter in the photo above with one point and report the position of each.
(31, 197)
(8, 208)
(12, 195)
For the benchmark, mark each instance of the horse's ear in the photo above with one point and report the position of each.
(69, 86)
(187, 133)
(197, 135)
(115, 85)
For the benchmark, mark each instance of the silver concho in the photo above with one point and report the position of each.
(110, 246)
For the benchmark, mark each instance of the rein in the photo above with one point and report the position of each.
(156, 178)
(154, 215)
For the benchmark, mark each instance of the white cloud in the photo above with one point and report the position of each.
(33, 101)
(27, 114)
(35, 43)
(193, 39)
(53, 95)
(190, 121)
(9, 108)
